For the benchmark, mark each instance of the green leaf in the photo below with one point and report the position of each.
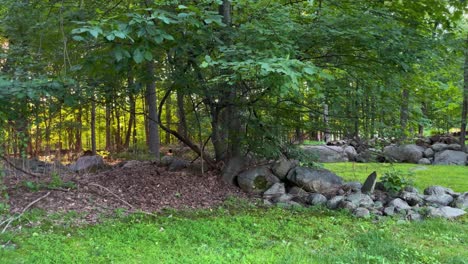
(148, 55)
(138, 56)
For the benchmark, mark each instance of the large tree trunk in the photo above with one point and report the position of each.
(153, 129)
(182, 125)
(108, 125)
(465, 100)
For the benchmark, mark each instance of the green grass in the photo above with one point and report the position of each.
(454, 177)
(243, 235)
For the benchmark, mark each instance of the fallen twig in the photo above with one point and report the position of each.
(11, 219)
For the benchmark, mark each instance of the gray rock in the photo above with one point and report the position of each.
(378, 204)
(87, 163)
(276, 190)
(178, 164)
(438, 147)
(369, 184)
(316, 199)
(132, 164)
(399, 204)
(289, 204)
(440, 199)
(455, 147)
(428, 153)
(282, 167)
(424, 161)
(327, 153)
(314, 180)
(390, 210)
(351, 153)
(360, 200)
(166, 160)
(234, 166)
(461, 201)
(450, 157)
(256, 180)
(333, 202)
(411, 198)
(405, 153)
(446, 212)
(299, 192)
(361, 212)
(347, 205)
(411, 189)
(414, 216)
(438, 190)
(354, 186)
(283, 198)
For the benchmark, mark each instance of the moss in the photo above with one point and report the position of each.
(260, 182)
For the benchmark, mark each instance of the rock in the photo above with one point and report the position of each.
(390, 210)
(378, 204)
(166, 160)
(413, 216)
(267, 202)
(316, 199)
(411, 198)
(361, 212)
(428, 153)
(438, 190)
(283, 198)
(132, 164)
(399, 204)
(256, 180)
(360, 200)
(282, 167)
(405, 153)
(369, 184)
(333, 202)
(438, 147)
(461, 201)
(351, 153)
(456, 147)
(289, 204)
(424, 161)
(296, 191)
(446, 212)
(450, 157)
(327, 153)
(314, 180)
(353, 186)
(347, 205)
(234, 166)
(410, 189)
(368, 155)
(87, 163)
(178, 164)
(276, 190)
(440, 199)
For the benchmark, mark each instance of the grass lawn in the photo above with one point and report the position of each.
(454, 177)
(243, 234)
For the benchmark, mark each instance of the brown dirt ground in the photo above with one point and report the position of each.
(146, 187)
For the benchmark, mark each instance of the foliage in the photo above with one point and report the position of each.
(395, 180)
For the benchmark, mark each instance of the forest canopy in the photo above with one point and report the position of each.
(227, 78)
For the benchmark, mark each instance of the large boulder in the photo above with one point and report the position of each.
(438, 190)
(441, 199)
(281, 167)
(351, 153)
(87, 164)
(405, 153)
(461, 201)
(276, 190)
(233, 167)
(446, 212)
(327, 153)
(256, 180)
(314, 180)
(438, 147)
(450, 157)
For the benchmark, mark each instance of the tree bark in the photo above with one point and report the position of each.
(93, 127)
(182, 125)
(153, 130)
(465, 99)
(404, 112)
(108, 125)
(168, 119)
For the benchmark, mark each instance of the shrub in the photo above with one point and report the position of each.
(395, 180)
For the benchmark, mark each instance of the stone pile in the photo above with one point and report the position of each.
(288, 185)
(437, 154)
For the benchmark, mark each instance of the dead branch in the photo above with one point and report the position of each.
(17, 168)
(11, 219)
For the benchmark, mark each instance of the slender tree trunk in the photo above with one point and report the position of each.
(131, 120)
(182, 125)
(168, 119)
(404, 112)
(78, 142)
(108, 126)
(93, 127)
(118, 138)
(465, 100)
(153, 128)
(326, 122)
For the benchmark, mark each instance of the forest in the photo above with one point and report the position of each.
(227, 78)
